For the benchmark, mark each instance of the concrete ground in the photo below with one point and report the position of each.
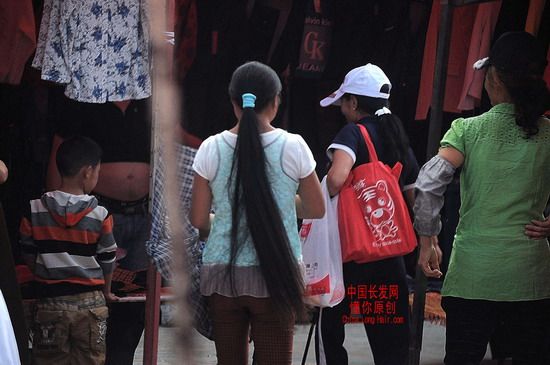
(356, 343)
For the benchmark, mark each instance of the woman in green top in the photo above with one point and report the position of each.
(499, 267)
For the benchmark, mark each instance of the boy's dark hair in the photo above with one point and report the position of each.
(75, 153)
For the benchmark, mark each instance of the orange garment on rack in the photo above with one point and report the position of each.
(17, 38)
(465, 45)
(186, 29)
(480, 45)
(534, 16)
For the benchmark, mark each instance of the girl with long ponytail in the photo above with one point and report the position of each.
(258, 179)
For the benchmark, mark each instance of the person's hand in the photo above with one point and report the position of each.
(538, 230)
(120, 253)
(430, 256)
(110, 297)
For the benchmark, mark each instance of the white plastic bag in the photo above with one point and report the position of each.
(9, 354)
(322, 256)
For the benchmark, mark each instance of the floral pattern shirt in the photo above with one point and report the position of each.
(100, 49)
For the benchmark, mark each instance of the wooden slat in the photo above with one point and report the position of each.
(152, 317)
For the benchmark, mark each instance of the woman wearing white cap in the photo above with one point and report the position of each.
(500, 267)
(363, 98)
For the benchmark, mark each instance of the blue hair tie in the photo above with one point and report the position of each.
(249, 100)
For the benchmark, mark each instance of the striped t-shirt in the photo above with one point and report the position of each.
(69, 242)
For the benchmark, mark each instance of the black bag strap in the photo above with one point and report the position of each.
(314, 322)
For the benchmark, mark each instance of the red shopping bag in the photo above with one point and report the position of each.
(373, 218)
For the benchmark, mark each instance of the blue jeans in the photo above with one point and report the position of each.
(131, 231)
(127, 320)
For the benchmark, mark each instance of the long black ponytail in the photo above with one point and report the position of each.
(251, 193)
(530, 96)
(395, 145)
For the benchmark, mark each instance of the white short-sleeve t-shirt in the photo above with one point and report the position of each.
(297, 159)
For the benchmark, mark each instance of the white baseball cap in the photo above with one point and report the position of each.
(368, 80)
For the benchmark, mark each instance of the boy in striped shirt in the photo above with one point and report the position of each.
(67, 241)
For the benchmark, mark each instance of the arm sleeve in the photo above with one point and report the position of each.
(298, 161)
(455, 136)
(206, 159)
(431, 185)
(106, 246)
(29, 249)
(346, 140)
(159, 245)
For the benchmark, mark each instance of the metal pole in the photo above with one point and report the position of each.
(440, 75)
(417, 317)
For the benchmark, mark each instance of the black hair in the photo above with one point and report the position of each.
(75, 153)
(277, 263)
(530, 97)
(392, 132)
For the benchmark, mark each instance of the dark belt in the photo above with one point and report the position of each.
(140, 206)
